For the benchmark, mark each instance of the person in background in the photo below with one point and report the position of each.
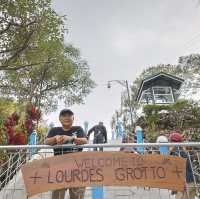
(190, 190)
(163, 139)
(143, 134)
(66, 134)
(126, 139)
(100, 134)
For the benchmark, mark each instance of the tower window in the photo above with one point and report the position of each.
(163, 95)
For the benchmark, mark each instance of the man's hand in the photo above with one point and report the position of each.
(66, 138)
(80, 141)
(59, 139)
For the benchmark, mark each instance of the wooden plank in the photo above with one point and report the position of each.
(86, 169)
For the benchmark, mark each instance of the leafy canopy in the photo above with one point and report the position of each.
(36, 64)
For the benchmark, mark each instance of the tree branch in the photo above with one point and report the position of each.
(8, 50)
(24, 46)
(6, 29)
(38, 83)
(14, 68)
(12, 23)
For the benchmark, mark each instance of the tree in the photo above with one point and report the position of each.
(38, 67)
(25, 28)
(44, 85)
(124, 112)
(191, 67)
(188, 68)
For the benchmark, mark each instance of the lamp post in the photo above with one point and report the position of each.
(124, 83)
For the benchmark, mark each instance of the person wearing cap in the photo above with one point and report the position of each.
(190, 191)
(66, 134)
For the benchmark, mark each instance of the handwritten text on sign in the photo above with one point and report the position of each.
(104, 168)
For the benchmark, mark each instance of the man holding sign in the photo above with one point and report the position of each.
(67, 134)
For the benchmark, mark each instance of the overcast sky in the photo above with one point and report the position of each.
(119, 38)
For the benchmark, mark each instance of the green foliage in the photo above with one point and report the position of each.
(187, 68)
(26, 29)
(151, 109)
(37, 66)
(182, 116)
(44, 85)
(18, 126)
(7, 106)
(41, 133)
(17, 122)
(187, 65)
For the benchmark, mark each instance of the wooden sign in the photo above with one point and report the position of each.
(85, 169)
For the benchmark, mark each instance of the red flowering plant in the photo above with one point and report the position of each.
(14, 134)
(18, 127)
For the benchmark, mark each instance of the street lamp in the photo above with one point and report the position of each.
(124, 83)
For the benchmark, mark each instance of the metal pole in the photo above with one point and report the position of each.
(129, 103)
(125, 84)
(20, 147)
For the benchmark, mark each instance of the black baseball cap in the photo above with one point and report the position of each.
(66, 112)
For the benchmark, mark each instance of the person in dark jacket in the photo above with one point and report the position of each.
(190, 191)
(100, 134)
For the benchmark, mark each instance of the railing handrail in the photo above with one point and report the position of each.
(20, 147)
